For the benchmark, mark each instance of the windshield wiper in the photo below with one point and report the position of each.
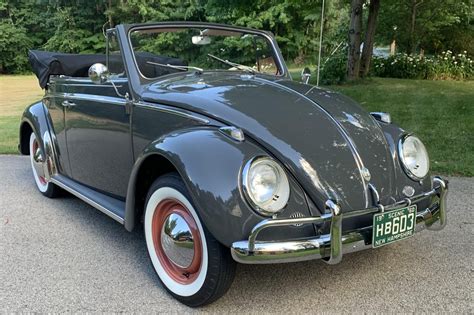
(233, 64)
(182, 68)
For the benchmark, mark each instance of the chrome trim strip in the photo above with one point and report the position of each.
(88, 200)
(375, 193)
(332, 246)
(167, 109)
(91, 97)
(92, 85)
(271, 40)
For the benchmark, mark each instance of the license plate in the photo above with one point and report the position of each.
(392, 226)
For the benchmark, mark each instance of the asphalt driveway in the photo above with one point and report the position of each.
(62, 255)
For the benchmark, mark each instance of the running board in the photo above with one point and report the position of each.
(110, 206)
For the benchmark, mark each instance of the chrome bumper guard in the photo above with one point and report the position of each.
(332, 246)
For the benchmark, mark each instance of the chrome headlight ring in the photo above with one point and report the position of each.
(413, 157)
(265, 185)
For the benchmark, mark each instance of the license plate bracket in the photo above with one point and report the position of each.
(394, 225)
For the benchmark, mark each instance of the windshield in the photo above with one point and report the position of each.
(161, 51)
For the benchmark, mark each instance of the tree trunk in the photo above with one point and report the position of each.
(414, 6)
(393, 47)
(353, 59)
(111, 21)
(369, 37)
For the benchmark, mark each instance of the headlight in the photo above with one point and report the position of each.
(414, 157)
(265, 185)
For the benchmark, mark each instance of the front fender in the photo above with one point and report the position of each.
(210, 165)
(393, 133)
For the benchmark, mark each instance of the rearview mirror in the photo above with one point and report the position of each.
(305, 75)
(98, 73)
(201, 40)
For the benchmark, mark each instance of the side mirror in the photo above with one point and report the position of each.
(98, 73)
(201, 40)
(305, 75)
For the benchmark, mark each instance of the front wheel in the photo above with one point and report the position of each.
(191, 264)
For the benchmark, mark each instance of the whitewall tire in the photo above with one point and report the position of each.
(190, 263)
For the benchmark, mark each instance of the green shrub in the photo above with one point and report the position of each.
(445, 66)
(14, 44)
(333, 71)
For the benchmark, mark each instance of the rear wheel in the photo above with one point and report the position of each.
(41, 169)
(191, 264)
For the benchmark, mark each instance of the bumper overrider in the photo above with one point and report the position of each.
(332, 246)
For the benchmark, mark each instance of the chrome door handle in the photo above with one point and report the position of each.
(68, 104)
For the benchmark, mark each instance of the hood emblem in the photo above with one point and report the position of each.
(365, 174)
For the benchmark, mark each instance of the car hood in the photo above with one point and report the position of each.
(323, 138)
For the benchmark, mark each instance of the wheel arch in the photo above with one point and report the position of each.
(146, 170)
(33, 119)
(211, 173)
(24, 140)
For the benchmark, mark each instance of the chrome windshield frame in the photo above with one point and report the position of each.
(280, 63)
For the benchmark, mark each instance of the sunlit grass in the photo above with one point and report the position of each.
(441, 113)
(16, 92)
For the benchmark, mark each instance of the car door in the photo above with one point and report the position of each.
(98, 135)
(98, 129)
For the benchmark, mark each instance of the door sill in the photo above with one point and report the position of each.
(112, 207)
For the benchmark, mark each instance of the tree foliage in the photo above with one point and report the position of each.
(76, 26)
(431, 25)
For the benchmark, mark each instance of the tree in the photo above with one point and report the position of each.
(366, 58)
(14, 42)
(355, 28)
(426, 24)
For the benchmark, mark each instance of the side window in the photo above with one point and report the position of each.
(114, 56)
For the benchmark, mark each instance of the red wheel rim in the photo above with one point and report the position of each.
(35, 148)
(179, 274)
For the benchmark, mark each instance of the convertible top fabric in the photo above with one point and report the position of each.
(47, 63)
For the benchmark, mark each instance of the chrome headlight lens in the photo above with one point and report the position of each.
(265, 185)
(414, 157)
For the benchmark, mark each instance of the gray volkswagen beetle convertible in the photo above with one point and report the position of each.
(197, 132)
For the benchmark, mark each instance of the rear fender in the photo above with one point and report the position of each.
(35, 118)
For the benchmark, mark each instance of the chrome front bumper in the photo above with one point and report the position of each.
(332, 246)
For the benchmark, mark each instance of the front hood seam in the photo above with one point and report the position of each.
(341, 128)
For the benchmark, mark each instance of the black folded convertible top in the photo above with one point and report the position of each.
(47, 63)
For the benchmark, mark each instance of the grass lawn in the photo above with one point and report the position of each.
(441, 113)
(16, 92)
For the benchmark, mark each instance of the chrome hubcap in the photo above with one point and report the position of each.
(40, 164)
(177, 240)
(37, 155)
